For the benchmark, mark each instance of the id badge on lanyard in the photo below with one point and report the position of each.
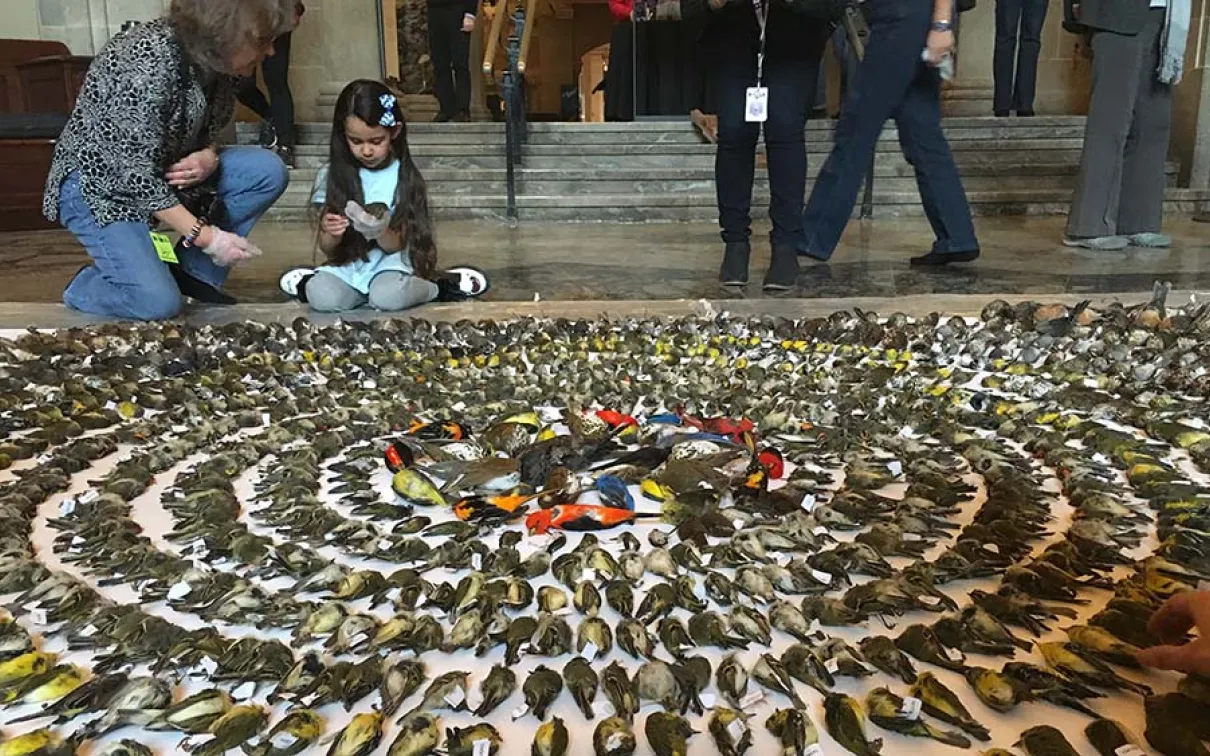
(756, 107)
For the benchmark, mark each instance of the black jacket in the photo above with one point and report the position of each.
(734, 30)
(1117, 16)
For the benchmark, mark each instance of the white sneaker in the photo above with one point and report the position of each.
(470, 281)
(293, 278)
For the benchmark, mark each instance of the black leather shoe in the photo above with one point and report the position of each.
(783, 269)
(938, 259)
(199, 290)
(734, 271)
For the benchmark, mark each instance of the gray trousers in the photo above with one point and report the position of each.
(1120, 190)
(390, 291)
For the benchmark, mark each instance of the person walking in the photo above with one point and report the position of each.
(898, 78)
(764, 60)
(1138, 54)
(1018, 40)
(450, 25)
(276, 110)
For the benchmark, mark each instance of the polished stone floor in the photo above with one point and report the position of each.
(579, 262)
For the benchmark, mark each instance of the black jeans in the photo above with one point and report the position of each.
(1017, 20)
(450, 50)
(278, 109)
(892, 82)
(791, 86)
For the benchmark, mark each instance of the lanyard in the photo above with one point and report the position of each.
(762, 18)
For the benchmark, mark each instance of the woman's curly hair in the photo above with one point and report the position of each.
(212, 31)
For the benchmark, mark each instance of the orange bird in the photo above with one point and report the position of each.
(491, 508)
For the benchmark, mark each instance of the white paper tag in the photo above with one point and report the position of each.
(751, 699)
(476, 561)
(614, 741)
(928, 600)
(590, 651)
(179, 591)
(179, 429)
(739, 524)
(266, 419)
(736, 730)
(244, 691)
(89, 496)
(954, 654)
(474, 698)
(911, 708)
(110, 405)
(88, 631)
(208, 665)
(1130, 749)
(896, 468)
(992, 547)
(821, 576)
(784, 559)
(808, 503)
(481, 748)
(455, 697)
(520, 711)
(813, 750)
(45, 458)
(282, 740)
(38, 617)
(590, 575)
(385, 544)
(819, 530)
(832, 665)
(708, 700)
(66, 507)
(912, 537)
(77, 541)
(756, 110)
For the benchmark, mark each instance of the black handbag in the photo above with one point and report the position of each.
(966, 5)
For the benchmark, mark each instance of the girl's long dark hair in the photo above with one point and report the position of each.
(365, 99)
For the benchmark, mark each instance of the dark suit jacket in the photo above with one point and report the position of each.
(1117, 16)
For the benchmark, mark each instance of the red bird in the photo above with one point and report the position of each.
(580, 517)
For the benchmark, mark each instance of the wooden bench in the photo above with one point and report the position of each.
(38, 76)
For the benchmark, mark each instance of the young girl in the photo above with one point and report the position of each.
(374, 223)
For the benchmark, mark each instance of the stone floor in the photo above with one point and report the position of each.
(594, 262)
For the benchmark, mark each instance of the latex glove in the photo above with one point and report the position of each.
(364, 223)
(468, 22)
(227, 249)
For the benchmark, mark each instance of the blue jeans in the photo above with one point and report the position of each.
(892, 82)
(127, 278)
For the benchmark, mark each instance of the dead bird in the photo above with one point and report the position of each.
(893, 713)
(884, 654)
(613, 737)
(1108, 736)
(541, 689)
(846, 724)
(794, 731)
(668, 734)
(920, 642)
(996, 690)
(941, 702)
(619, 690)
(730, 731)
(497, 687)
(551, 739)
(769, 672)
(582, 681)
(1045, 740)
(1065, 659)
(1176, 724)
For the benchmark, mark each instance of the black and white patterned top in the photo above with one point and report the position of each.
(143, 107)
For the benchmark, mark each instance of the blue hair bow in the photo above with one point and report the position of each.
(388, 119)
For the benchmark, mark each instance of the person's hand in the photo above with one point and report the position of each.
(1170, 623)
(192, 169)
(369, 226)
(717, 4)
(334, 225)
(227, 249)
(468, 22)
(940, 44)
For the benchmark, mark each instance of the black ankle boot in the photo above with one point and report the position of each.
(783, 269)
(734, 271)
(199, 290)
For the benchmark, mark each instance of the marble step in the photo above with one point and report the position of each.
(300, 194)
(319, 133)
(702, 207)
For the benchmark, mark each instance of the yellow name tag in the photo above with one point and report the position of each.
(163, 248)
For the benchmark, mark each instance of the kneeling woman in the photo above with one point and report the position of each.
(140, 147)
(374, 222)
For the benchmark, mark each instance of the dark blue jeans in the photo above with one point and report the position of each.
(791, 86)
(892, 82)
(1017, 19)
